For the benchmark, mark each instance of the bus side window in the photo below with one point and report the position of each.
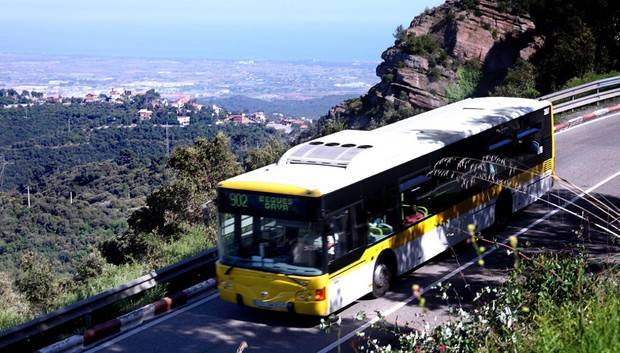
(415, 199)
(347, 232)
(529, 142)
(382, 214)
(339, 234)
(360, 226)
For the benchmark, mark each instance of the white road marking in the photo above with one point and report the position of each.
(464, 266)
(165, 317)
(587, 123)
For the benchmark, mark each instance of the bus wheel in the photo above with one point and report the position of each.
(503, 210)
(381, 279)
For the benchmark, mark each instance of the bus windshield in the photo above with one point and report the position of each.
(271, 244)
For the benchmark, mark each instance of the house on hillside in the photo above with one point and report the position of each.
(258, 117)
(239, 119)
(90, 98)
(145, 114)
(183, 120)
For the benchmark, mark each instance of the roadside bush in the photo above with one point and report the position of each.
(589, 77)
(89, 266)
(35, 280)
(13, 307)
(548, 304)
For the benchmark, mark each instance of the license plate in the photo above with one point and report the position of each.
(269, 305)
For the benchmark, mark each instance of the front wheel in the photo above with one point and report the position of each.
(381, 279)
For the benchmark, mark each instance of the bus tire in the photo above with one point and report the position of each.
(503, 210)
(382, 278)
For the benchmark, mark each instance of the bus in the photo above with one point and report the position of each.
(343, 215)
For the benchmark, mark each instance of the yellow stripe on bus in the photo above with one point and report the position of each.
(275, 188)
(406, 235)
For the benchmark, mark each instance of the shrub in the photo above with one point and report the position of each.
(520, 81)
(589, 77)
(37, 283)
(421, 45)
(14, 308)
(400, 34)
(468, 77)
(89, 266)
(387, 78)
(434, 74)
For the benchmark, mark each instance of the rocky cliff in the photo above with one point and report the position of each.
(458, 49)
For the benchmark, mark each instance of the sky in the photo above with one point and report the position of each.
(324, 30)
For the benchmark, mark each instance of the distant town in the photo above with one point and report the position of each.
(200, 79)
(184, 106)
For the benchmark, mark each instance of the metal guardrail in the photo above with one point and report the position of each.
(583, 101)
(17, 338)
(604, 89)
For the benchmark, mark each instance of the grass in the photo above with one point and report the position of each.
(193, 242)
(10, 317)
(591, 324)
(468, 77)
(167, 252)
(112, 276)
(589, 77)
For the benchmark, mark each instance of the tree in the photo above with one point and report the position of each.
(35, 280)
(89, 266)
(520, 81)
(571, 53)
(196, 170)
(400, 34)
(265, 155)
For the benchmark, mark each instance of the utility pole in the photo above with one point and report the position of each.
(71, 197)
(3, 164)
(167, 141)
(28, 190)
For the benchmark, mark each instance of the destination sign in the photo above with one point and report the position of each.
(269, 205)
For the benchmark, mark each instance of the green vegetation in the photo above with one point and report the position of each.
(580, 37)
(387, 78)
(400, 34)
(270, 153)
(468, 77)
(426, 46)
(520, 81)
(550, 303)
(107, 204)
(589, 77)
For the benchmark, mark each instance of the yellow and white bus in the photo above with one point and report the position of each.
(343, 215)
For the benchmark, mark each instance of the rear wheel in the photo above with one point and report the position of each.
(381, 279)
(503, 210)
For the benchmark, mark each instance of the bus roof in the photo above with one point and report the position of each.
(334, 161)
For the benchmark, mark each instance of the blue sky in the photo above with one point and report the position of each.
(328, 30)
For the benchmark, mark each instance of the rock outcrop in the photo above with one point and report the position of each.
(421, 70)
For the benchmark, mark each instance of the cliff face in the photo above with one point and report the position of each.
(429, 64)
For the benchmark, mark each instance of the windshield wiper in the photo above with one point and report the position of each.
(228, 270)
(296, 280)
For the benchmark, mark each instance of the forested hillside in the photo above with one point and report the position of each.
(466, 48)
(88, 165)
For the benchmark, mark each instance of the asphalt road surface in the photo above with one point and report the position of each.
(587, 155)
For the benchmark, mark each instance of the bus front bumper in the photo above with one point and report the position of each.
(275, 292)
